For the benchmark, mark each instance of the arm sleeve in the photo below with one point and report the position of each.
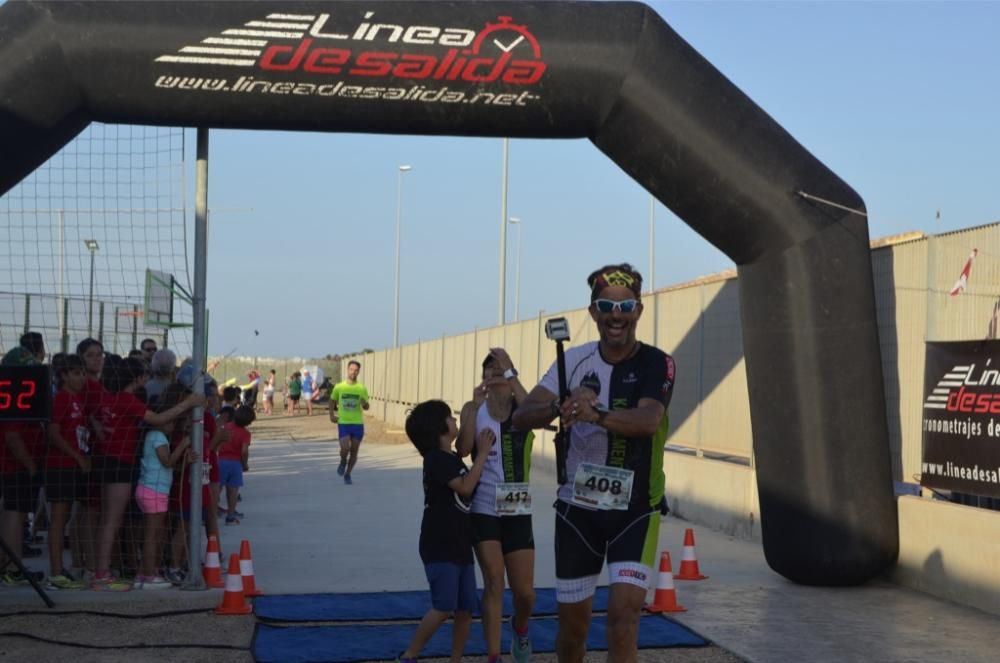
(658, 380)
(442, 469)
(156, 439)
(550, 380)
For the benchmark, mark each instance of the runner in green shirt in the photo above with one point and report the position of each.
(347, 401)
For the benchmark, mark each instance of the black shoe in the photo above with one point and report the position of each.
(28, 551)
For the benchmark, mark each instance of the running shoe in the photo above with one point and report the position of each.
(175, 576)
(108, 583)
(15, 577)
(232, 520)
(63, 581)
(348, 480)
(152, 582)
(400, 659)
(341, 468)
(520, 645)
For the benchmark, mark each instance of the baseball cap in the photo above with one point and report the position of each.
(187, 375)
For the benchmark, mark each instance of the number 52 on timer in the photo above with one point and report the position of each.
(25, 393)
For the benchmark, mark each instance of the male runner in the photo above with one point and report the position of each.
(609, 509)
(347, 401)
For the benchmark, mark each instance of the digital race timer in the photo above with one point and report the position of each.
(25, 393)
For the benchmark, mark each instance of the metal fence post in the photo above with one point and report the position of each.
(100, 322)
(64, 332)
(27, 313)
(194, 579)
(114, 341)
(135, 325)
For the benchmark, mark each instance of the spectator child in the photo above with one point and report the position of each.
(67, 461)
(234, 460)
(214, 435)
(231, 397)
(86, 523)
(153, 491)
(445, 532)
(121, 415)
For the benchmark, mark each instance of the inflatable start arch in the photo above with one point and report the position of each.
(611, 72)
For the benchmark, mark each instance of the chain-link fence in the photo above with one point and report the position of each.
(64, 322)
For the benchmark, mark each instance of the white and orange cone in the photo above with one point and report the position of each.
(665, 598)
(246, 570)
(689, 562)
(233, 601)
(212, 571)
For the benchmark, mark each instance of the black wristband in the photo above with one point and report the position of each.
(554, 406)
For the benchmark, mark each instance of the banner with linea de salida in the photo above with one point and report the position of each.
(961, 417)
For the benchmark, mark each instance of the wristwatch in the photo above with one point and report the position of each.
(510, 373)
(602, 412)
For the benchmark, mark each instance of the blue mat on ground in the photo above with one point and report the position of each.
(373, 642)
(384, 606)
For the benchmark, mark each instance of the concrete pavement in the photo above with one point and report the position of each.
(312, 533)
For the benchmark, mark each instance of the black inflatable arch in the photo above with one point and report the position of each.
(612, 72)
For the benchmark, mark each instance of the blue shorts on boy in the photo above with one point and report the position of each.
(230, 473)
(445, 535)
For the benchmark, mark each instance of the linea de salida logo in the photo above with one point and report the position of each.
(310, 43)
(962, 389)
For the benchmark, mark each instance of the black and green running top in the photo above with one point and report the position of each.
(649, 373)
(509, 460)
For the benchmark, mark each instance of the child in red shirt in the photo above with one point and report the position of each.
(234, 459)
(67, 461)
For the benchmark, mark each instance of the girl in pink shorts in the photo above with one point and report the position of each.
(153, 492)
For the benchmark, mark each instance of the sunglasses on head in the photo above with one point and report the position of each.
(610, 305)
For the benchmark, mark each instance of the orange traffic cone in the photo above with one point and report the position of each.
(689, 563)
(246, 570)
(212, 571)
(665, 599)
(233, 602)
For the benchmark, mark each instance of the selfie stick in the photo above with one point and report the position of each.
(562, 443)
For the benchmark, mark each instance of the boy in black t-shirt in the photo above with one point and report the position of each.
(445, 532)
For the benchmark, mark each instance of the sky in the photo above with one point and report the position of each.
(898, 98)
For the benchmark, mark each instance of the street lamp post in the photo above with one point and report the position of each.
(399, 213)
(92, 246)
(652, 243)
(502, 295)
(652, 265)
(515, 221)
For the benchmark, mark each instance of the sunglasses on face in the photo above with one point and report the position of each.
(610, 305)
